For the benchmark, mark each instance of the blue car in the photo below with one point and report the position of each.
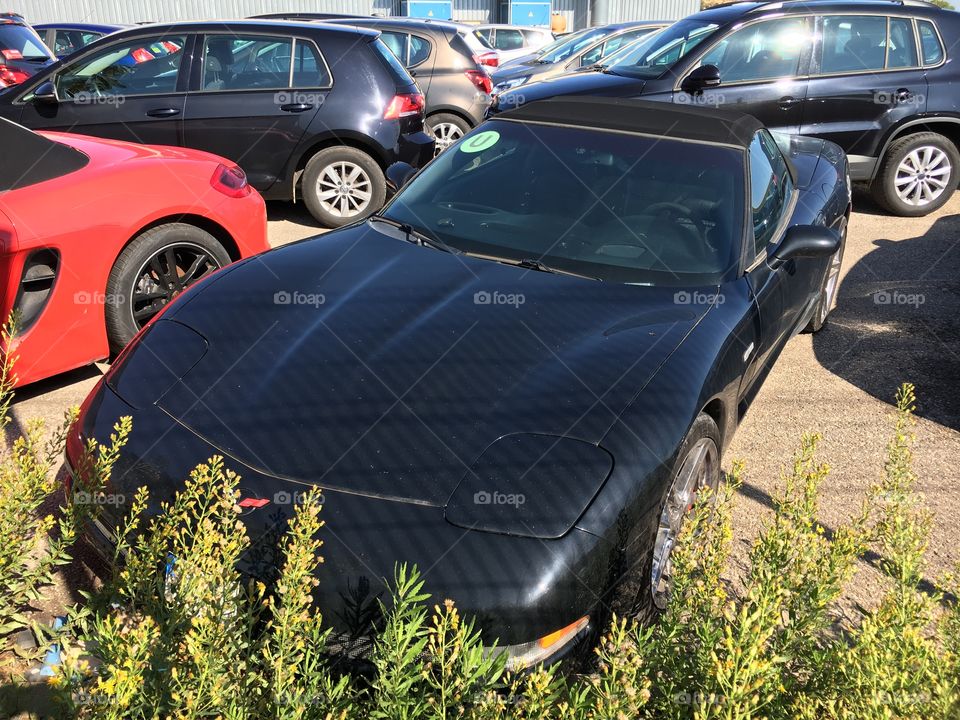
(67, 38)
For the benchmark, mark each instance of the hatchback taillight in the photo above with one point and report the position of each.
(481, 80)
(231, 181)
(405, 105)
(9, 76)
(490, 58)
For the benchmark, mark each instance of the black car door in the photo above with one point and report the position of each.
(783, 293)
(252, 97)
(867, 78)
(131, 90)
(763, 67)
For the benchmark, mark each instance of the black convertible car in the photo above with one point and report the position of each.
(516, 376)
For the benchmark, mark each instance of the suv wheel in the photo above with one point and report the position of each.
(917, 175)
(446, 130)
(342, 185)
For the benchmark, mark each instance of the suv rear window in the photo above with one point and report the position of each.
(399, 75)
(930, 43)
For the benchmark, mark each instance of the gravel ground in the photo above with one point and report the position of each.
(840, 382)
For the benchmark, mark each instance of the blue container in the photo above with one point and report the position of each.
(433, 9)
(527, 12)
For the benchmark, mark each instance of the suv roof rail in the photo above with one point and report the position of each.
(775, 4)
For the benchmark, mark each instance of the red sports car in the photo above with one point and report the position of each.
(96, 236)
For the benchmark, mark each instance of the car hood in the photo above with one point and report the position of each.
(366, 364)
(592, 83)
(102, 151)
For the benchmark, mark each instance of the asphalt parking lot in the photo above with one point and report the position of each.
(896, 320)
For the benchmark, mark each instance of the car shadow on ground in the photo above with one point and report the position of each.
(897, 319)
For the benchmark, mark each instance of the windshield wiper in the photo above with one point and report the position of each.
(416, 236)
(532, 264)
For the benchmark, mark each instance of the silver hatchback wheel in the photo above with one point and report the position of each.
(445, 134)
(922, 175)
(344, 189)
(699, 469)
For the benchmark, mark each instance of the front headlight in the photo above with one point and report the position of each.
(527, 655)
(509, 85)
(529, 485)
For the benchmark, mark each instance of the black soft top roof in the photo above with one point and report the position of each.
(29, 158)
(682, 122)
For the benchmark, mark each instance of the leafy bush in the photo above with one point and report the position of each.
(194, 638)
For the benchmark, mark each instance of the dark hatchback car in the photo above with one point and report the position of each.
(580, 51)
(307, 110)
(876, 78)
(67, 38)
(22, 52)
(520, 392)
(444, 59)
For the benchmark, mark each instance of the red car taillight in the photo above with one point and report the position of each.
(490, 59)
(231, 181)
(10, 77)
(481, 80)
(404, 106)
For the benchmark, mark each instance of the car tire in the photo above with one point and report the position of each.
(342, 185)
(828, 287)
(917, 164)
(134, 280)
(703, 436)
(446, 129)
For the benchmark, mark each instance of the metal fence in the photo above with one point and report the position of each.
(576, 12)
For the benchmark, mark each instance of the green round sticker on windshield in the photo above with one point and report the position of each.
(480, 141)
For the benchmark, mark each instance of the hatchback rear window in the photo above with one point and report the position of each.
(400, 76)
(21, 43)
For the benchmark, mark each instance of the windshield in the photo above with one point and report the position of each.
(608, 205)
(562, 40)
(21, 43)
(654, 55)
(572, 45)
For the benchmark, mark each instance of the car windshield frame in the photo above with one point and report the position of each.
(655, 46)
(619, 238)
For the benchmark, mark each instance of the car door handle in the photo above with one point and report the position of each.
(163, 112)
(787, 102)
(296, 107)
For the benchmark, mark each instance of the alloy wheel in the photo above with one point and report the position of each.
(700, 468)
(344, 189)
(923, 175)
(445, 135)
(165, 275)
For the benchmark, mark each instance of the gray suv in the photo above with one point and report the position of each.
(444, 59)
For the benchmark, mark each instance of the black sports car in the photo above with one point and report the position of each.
(516, 376)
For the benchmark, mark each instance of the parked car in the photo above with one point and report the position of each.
(561, 38)
(97, 236)
(520, 373)
(580, 51)
(513, 41)
(874, 77)
(66, 38)
(307, 110)
(22, 52)
(446, 59)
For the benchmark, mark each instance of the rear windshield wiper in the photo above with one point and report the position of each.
(415, 236)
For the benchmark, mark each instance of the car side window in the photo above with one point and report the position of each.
(901, 44)
(853, 43)
(139, 66)
(67, 42)
(246, 62)
(761, 51)
(508, 39)
(930, 43)
(309, 68)
(770, 188)
(397, 42)
(419, 50)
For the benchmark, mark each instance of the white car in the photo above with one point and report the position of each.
(513, 41)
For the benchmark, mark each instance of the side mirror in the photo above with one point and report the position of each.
(46, 93)
(398, 175)
(804, 241)
(705, 76)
